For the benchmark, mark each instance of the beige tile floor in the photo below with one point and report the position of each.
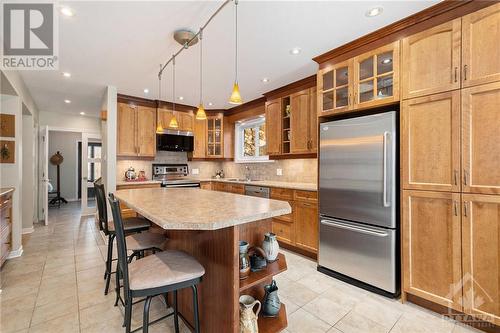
(57, 286)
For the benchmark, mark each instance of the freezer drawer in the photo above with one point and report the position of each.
(362, 252)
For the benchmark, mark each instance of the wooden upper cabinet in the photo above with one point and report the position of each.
(299, 122)
(430, 142)
(273, 126)
(215, 139)
(431, 60)
(335, 88)
(432, 246)
(146, 131)
(480, 251)
(126, 130)
(481, 139)
(376, 77)
(186, 121)
(306, 225)
(200, 139)
(481, 46)
(313, 120)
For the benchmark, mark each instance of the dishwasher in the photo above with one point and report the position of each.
(257, 191)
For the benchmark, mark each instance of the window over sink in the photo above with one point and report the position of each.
(250, 141)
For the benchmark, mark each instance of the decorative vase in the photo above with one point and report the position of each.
(257, 258)
(248, 318)
(244, 260)
(270, 246)
(271, 304)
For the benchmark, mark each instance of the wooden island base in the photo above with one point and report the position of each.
(221, 287)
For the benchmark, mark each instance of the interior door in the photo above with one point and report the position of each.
(91, 170)
(44, 174)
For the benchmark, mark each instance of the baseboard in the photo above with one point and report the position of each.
(15, 253)
(27, 230)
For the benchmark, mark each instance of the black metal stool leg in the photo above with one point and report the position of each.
(176, 314)
(145, 318)
(128, 313)
(108, 263)
(117, 289)
(195, 309)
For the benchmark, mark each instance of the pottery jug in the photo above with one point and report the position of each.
(270, 246)
(248, 318)
(244, 260)
(271, 304)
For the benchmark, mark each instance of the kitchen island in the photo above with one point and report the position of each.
(208, 225)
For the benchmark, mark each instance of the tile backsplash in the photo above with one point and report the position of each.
(297, 170)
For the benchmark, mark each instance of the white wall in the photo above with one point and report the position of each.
(29, 186)
(78, 123)
(109, 104)
(11, 173)
(66, 144)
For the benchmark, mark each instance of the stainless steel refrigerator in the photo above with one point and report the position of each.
(358, 213)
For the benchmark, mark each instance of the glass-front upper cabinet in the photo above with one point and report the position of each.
(214, 136)
(335, 88)
(376, 77)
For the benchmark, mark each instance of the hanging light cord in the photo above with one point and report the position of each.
(236, 38)
(173, 85)
(159, 87)
(201, 66)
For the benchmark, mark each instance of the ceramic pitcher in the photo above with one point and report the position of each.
(270, 246)
(271, 304)
(248, 318)
(244, 260)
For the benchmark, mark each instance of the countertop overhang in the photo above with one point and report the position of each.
(197, 209)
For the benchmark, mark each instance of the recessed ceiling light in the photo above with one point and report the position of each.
(146, 91)
(375, 11)
(387, 61)
(295, 51)
(66, 11)
(181, 98)
(66, 74)
(82, 113)
(210, 103)
(265, 80)
(67, 101)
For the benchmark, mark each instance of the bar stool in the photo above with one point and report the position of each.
(139, 241)
(154, 275)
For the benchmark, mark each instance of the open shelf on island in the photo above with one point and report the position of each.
(256, 278)
(273, 324)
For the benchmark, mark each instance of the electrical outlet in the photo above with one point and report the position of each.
(279, 172)
(195, 171)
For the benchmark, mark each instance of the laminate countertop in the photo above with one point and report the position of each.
(197, 209)
(268, 183)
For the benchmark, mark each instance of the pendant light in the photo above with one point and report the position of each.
(159, 126)
(200, 114)
(235, 95)
(173, 121)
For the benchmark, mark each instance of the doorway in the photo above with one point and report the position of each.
(93, 170)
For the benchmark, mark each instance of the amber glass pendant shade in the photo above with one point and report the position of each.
(173, 123)
(200, 114)
(235, 95)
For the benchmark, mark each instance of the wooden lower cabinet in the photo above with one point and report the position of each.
(432, 246)
(126, 211)
(481, 256)
(206, 185)
(306, 225)
(5, 225)
(284, 230)
(228, 187)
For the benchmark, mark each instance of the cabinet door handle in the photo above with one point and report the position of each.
(456, 74)
(465, 72)
(349, 100)
(465, 177)
(455, 176)
(455, 207)
(465, 208)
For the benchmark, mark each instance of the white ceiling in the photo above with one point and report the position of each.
(122, 43)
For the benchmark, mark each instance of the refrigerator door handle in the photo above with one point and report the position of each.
(387, 203)
(363, 230)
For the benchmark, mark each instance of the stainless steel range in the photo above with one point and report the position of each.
(174, 175)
